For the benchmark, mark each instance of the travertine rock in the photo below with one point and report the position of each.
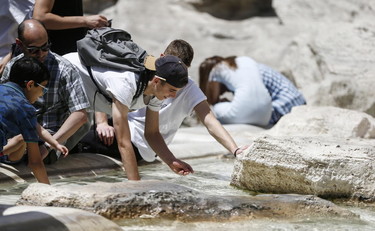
(323, 166)
(325, 121)
(150, 199)
(333, 65)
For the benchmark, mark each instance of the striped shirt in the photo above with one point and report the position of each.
(65, 94)
(283, 93)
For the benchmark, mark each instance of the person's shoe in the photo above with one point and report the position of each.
(51, 158)
(5, 159)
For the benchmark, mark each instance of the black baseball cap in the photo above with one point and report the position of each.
(169, 68)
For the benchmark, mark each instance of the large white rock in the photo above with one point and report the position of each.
(324, 121)
(304, 12)
(333, 65)
(327, 167)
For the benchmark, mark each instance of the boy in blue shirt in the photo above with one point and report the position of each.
(19, 129)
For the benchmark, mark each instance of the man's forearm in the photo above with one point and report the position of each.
(42, 12)
(46, 136)
(129, 161)
(214, 127)
(101, 117)
(121, 125)
(71, 125)
(220, 134)
(158, 145)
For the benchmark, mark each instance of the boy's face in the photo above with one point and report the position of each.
(164, 90)
(34, 90)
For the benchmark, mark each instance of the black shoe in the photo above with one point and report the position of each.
(51, 157)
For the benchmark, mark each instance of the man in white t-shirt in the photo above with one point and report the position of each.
(162, 78)
(171, 115)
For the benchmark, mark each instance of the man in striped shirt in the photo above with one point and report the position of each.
(62, 110)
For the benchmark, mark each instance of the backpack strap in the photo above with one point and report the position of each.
(109, 99)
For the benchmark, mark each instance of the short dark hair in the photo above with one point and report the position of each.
(26, 69)
(205, 69)
(208, 64)
(181, 49)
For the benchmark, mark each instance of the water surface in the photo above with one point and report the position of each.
(212, 177)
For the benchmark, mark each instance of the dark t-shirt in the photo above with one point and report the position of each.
(65, 41)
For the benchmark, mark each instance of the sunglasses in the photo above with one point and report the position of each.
(45, 89)
(33, 49)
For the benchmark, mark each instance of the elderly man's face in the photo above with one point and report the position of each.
(39, 52)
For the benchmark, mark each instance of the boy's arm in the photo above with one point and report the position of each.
(36, 163)
(46, 136)
(215, 128)
(122, 131)
(157, 143)
(42, 12)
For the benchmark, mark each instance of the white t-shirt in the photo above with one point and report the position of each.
(251, 104)
(116, 83)
(173, 112)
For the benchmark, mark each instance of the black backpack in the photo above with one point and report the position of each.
(111, 47)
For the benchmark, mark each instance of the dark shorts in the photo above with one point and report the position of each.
(91, 143)
(4, 159)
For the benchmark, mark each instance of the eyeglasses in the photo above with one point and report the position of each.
(33, 49)
(45, 89)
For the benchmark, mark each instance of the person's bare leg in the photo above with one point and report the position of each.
(15, 148)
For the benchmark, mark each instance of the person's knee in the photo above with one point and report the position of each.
(18, 150)
(14, 144)
(19, 139)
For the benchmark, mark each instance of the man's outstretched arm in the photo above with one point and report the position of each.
(157, 143)
(215, 128)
